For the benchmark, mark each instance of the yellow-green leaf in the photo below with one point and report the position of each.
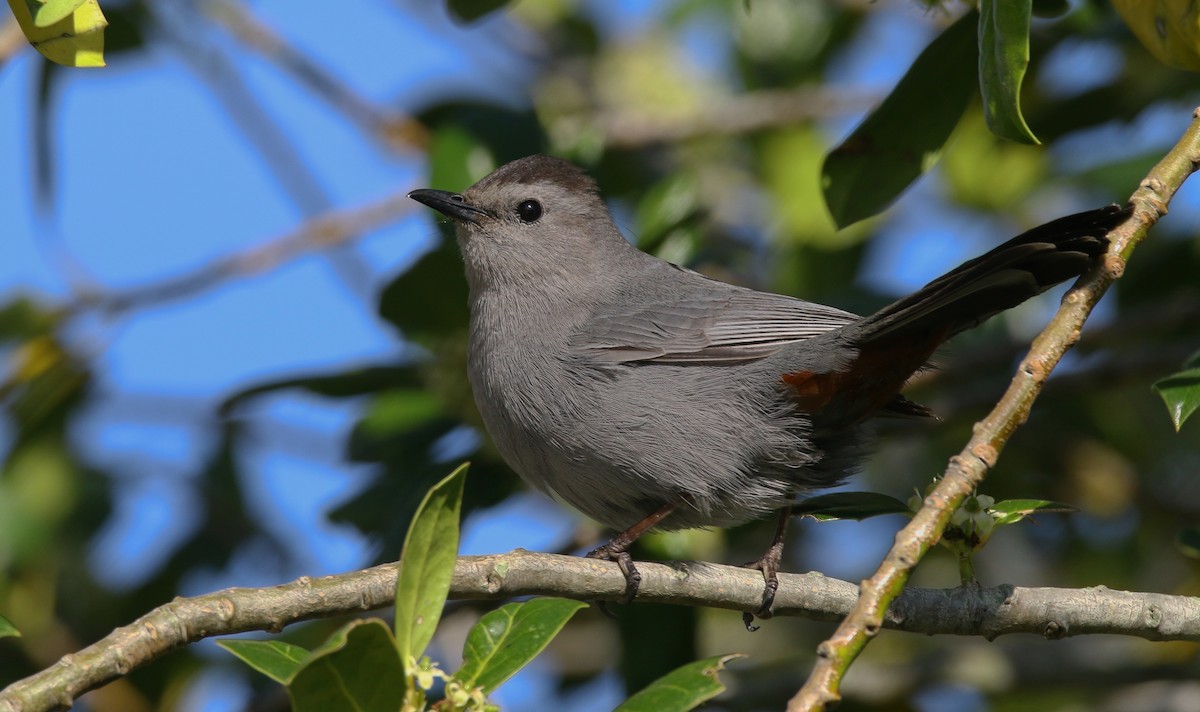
(505, 640)
(427, 564)
(682, 689)
(75, 40)
(274, 658)
(7, 629)
(1169, 29)
(48, 12)
(358, 668)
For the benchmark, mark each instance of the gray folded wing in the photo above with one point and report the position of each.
(703, 324)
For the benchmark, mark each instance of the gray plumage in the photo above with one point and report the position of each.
(621, 383)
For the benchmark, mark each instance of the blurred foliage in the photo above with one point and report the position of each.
(1170, 29)
(746, 204)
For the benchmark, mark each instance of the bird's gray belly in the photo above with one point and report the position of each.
(620, 442)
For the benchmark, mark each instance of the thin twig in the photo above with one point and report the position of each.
(741, 114)
(334, 228)
(395, 129)
(988, 612)
(967, 469)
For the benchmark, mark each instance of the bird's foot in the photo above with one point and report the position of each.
(613, 551)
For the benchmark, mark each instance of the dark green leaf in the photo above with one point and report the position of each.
(487, 135)
(358, 669)
(427, 564)
(7, 629)
(1014, 510)
(656, 638)
(505, 640)
(1181, 391)
(901, 139)
(850, 505)
(451, 155)
(1051, 8)
(1003, 59)
(682, 689)
(24, 318)
(400, 410)
(665, 206)
(1188, 541)
(358, 382)
(430, 299)
(469, 10)
(274, 658)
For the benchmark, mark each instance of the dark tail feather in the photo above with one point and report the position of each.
(1021, 268)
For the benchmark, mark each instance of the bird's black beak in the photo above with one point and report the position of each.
(452, 205)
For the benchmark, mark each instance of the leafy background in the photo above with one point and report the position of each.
(233, 351)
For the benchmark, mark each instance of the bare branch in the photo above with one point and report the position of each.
(331, 229)
(396, 130)
(989, 612)
(735, 115)
(966, 470)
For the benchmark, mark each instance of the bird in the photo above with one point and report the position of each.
(651, 397)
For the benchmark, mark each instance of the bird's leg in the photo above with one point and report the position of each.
(618, 549)
(768, 564)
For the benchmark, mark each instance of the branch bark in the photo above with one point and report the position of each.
(988, 612)
(967, 469)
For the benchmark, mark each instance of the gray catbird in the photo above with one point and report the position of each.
(649, 396)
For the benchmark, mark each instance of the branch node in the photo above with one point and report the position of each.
(987, 454)
(1150, 195)
(1033, 367)
(1114, 266)
(1153, 616)
(1054, 631)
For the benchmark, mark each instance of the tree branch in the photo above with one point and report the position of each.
(395, 129)
(328, 230)
(746, 113)
(966, 470)
(988, 612)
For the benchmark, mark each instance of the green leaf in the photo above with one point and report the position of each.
(1188, 541)
(358, 668)
(51, 11)
(1003, 59)
(1014, 510)
(1181, 391)
(850, 505)
(399, 410)
(505, 640)
(427, 564)
(1051, 8)
(7, 629)
(274, 658)
(471, 10)
(406, 301)
(368, 380)
(902, 137)
(682, 689)
(665, 206)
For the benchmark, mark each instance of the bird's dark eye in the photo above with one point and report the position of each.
(529, 211)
